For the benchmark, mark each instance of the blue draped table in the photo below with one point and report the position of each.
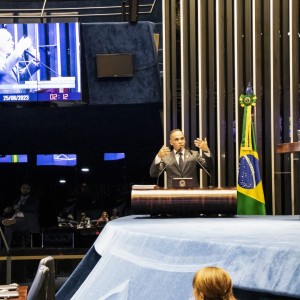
(156, 258)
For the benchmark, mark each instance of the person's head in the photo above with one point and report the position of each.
(104, 215)
(212, 283)
(84, 187)
(177, 139)
(114, 212)
(25, 189)
(6, 42)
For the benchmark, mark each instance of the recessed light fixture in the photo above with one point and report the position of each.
(62, 181)
(85, 169)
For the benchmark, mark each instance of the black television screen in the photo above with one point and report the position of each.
(114, 65)
(40, 62)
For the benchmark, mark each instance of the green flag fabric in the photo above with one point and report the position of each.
(250, 193)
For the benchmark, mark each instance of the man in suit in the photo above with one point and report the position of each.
(181, 162)
(14, 69)
(23, 215)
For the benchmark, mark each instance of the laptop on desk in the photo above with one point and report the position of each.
(182, 183)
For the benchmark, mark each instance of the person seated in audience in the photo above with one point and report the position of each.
(212, 283)
(23, 215)
(66, 220)
(103, 219)
(114, 214)
(85, 221)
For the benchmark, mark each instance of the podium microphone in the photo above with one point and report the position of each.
(38, 61)
(172, 159)
(198, 161)
(30, 54)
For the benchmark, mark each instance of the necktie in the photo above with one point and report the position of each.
(180, 161)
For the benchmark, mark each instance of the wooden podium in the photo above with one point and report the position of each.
(289, 148)
(155, 201)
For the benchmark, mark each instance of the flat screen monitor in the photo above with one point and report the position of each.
(114, 156)
(114, 65)
(56, 160)
(40, 62)
(14, 158)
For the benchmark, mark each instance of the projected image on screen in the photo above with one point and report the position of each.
(39, 62)
(14, 158)
(114, 156)
(56, 160)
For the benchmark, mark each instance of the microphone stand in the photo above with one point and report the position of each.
(160, 173)
(199, 162)
(8, 258)
(4, 240)
(30, 54)
(163, 169)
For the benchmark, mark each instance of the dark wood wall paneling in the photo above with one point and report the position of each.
(295, 89)
(277, 86)
(267, 67)
(283, 162)
(229, 94)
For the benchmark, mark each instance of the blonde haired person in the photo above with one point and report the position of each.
(212, 283)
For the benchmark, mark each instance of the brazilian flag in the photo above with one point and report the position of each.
(14, 158)
(250, 193)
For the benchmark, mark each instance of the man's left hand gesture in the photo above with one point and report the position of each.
(201, 144)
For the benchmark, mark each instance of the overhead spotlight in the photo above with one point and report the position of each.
(85, 169)
(62, 181)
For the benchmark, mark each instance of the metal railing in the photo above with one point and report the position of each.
(67, 12)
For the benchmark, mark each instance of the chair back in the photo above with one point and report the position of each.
(38, 289)
(49, 262)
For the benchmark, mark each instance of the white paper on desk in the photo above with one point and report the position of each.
(9, 287)
(8, 294)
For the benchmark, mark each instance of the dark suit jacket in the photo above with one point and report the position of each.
(13, 72)
(190, 167)
(30, 210)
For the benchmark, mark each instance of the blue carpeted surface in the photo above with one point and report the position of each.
(151, 258)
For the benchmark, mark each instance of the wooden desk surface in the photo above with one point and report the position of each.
(39, 257)
(22, 293)
(288, 147)
(90, 230)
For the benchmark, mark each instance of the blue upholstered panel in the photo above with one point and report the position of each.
(108, 38)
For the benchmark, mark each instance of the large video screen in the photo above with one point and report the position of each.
(40, 62)
(66, 160)
(114, 156)
(14, 158)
